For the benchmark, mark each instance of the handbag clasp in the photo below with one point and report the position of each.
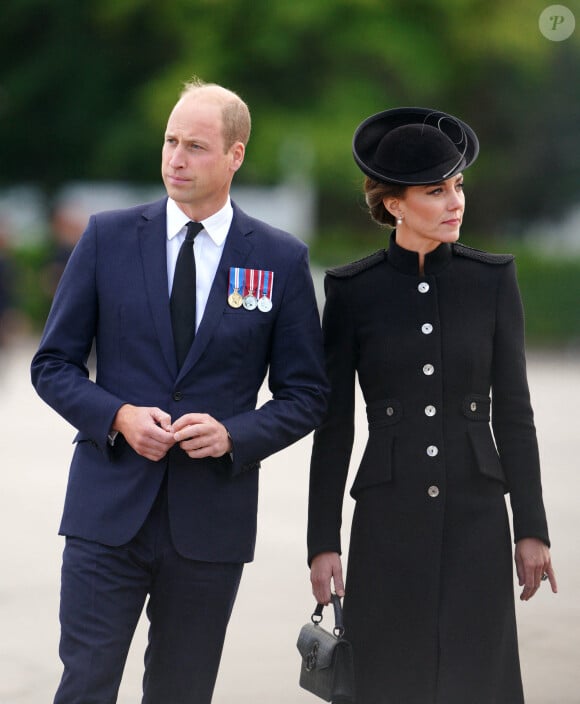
(312, 657)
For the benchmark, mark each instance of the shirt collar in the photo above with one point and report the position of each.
(408, 262)
(217, 225)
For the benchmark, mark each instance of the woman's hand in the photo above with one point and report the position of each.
(532, 558)
(326, 568)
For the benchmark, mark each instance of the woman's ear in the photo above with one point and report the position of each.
(392, 205)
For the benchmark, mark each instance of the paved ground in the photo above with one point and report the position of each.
(260, 662)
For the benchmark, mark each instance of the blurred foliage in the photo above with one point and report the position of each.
(31, 295)
(550, 290)
(86, 87)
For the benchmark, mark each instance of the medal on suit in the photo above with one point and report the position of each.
(250, 301)
(235, 298)
(265, 282)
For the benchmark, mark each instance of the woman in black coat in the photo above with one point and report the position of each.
(434, 330)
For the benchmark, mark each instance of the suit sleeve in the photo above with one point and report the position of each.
(512, 414)
(296, 377)
(59, 368)
(333, 440)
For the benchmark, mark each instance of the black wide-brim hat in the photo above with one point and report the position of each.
(413, 146)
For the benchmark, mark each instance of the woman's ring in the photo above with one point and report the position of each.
(544, 576)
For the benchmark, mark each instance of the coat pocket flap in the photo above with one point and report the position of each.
(384, 412)
(376, 465)
(476, 407)
(485, 452)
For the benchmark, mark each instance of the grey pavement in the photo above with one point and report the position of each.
(260, 661)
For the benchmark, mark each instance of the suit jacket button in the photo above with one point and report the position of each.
(433, 492)
(177, 396)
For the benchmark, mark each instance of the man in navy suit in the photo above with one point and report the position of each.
(162, 493)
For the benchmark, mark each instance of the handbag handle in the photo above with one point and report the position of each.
(338, 629)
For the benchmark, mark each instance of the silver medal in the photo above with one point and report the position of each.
(265, 304)
(250, 302)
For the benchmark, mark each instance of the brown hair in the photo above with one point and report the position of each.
(237, 123)
(375, 192)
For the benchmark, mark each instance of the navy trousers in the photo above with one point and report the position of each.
(103, 591)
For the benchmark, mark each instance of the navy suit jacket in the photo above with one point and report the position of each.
(114, 292)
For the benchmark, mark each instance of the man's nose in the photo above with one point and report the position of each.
(176, 158)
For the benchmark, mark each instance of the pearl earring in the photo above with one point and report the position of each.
(400, 220)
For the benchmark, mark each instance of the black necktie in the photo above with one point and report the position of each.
(182, 301)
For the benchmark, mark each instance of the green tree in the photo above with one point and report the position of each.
(86, 86)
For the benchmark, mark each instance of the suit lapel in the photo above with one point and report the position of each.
(236, 250)
(152, 240)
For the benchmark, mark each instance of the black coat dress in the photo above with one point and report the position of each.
(429, 603)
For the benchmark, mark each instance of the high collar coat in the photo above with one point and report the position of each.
(429, 603)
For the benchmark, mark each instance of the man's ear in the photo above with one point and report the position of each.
(238, 151)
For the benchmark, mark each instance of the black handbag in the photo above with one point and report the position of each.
(327, 666)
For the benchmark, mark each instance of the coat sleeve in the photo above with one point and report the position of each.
(296, 377)
(512, 414)
(59, 368)
(333, 440)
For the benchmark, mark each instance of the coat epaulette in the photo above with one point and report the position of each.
(346, 270)
(479, 255)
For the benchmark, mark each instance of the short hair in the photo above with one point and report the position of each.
(375, 193)
(236, 119)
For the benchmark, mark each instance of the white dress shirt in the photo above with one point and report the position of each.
(207, 249)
